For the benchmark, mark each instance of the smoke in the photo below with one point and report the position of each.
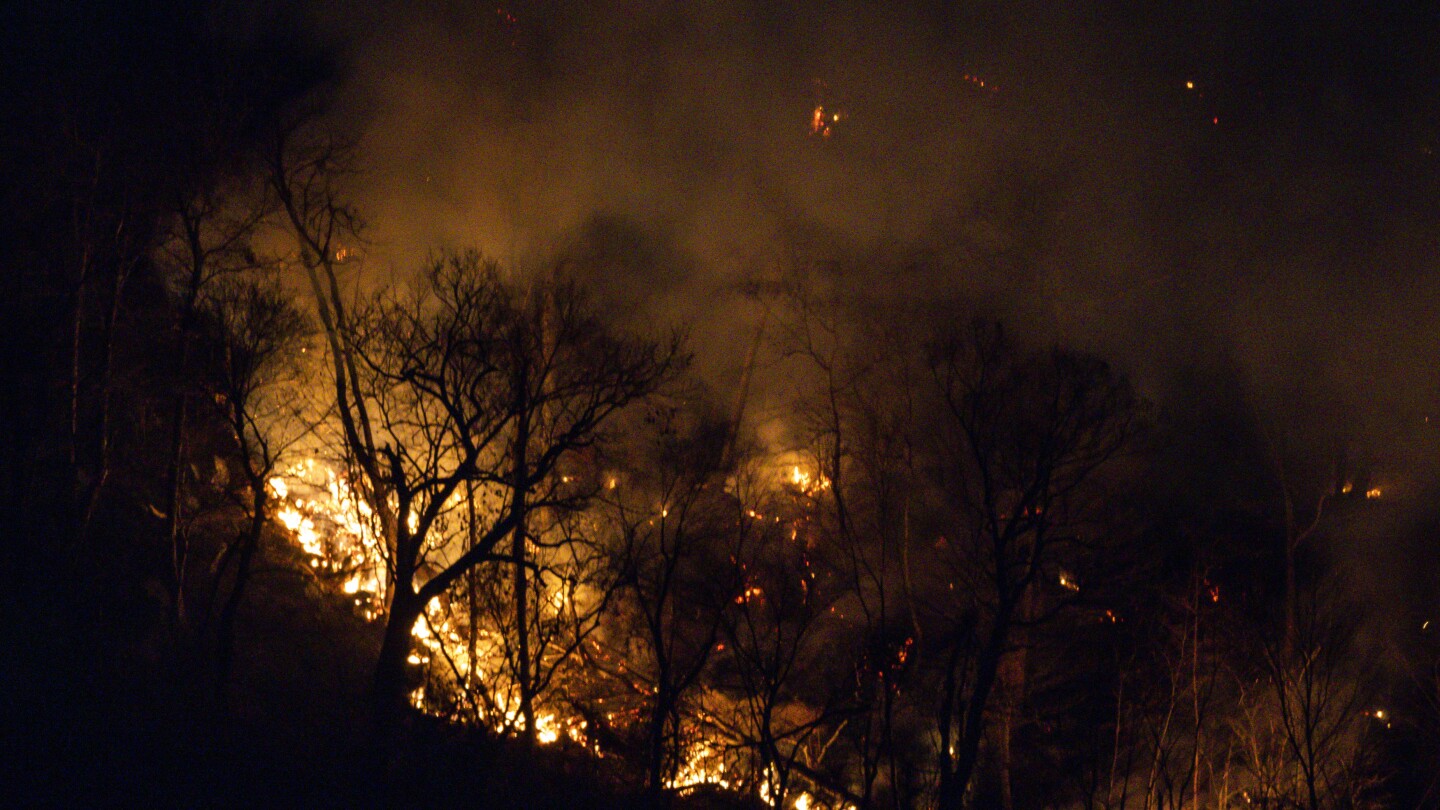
(1190, 190)
(685, 133)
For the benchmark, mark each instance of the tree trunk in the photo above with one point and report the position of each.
(521, 555)
(77, 332)
(948, 791)
(973, 729)
(472, 605)
(179, 542)
(391, 696)
(1006, 730)
(225, 632)
(1014, 667)
(179, 547)
(658, 720)
(107, 387)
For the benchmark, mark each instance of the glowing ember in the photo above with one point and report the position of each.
(1068, 582)
(977, 82)
(822, 121)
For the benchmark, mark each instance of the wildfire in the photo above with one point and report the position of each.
(331, 524)
(704, 765)
(303, 528)
(463, 661)
(806, 482)
(335, 528)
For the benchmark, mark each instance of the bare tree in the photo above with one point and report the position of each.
(467, 384)
(1314, 697)
(113, 218)
(676, 531)
(571, 585)
(858, 432)
(260, 368)
(211, 235)
(456, 398)
(1169, 737)
(778, 648)
(1019, 434)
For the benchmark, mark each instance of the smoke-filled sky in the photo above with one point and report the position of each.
(1245, 188)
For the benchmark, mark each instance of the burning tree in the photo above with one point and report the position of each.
(487, 385)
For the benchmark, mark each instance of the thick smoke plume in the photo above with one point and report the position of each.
(1217, 199)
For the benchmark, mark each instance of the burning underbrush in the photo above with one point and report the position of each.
(594, 684)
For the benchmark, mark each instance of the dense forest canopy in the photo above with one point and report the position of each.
(959, 405)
